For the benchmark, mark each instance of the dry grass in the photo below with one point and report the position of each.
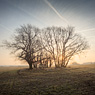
(76, 80)
(10, 68)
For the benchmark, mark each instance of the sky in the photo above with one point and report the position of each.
(42, 13)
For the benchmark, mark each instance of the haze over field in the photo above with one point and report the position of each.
(43, 13)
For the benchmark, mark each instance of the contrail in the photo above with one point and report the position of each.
(5, 27)
(42, 23)
(87, 30)
(60, 16)
(28, 13)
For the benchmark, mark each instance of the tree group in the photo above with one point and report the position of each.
(51, 46)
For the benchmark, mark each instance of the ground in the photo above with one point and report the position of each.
(76, 80)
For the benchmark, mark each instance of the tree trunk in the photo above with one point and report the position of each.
(50, 63)
(58, 62)
(63, 56)
(30, 66)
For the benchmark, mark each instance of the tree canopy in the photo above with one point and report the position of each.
(47, 46)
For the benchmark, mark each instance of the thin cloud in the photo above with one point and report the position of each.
(43, 24)
(28, 13)
(60, 16)
(92, 29)
(5, 28)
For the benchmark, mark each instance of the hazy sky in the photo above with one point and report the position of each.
(43, 13)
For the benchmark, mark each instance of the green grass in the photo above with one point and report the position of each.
(76, 80)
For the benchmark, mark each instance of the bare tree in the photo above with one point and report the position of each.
(25, 44)
(71, 44)
(64, 42)
(45, 46)
(48, 42)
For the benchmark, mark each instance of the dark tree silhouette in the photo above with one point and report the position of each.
(44, 47)
(25, 44)
(64, 42)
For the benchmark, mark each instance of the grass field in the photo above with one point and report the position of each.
(76, 80)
